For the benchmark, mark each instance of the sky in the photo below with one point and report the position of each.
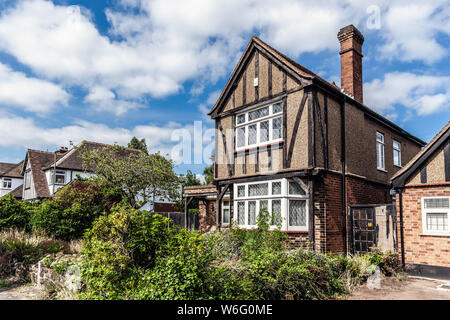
(108, 70)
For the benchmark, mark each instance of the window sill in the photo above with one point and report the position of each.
(398, 166)
(429, 234)
(278, 143)
(382, 170)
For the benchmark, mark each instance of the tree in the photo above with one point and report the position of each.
(137, 175)
(208, 173)
(135, 143)
(190, 179)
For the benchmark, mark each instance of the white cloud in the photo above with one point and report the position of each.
(423, 93)
(411, 30)
(31, 94)
(154, 46)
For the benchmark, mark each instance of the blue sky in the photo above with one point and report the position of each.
(106, 70)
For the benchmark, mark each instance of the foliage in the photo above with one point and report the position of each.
(135, 143)
(208, 173)
(138, 176)
(189, 179)
(73, 209)
(14, 213)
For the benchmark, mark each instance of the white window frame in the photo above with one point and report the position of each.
(58, 173)
(284, 197)
(27, 179)
(229, 211)
(380, 142)
(270, 117)
(399, 150)
(7, 183)
(425, 211)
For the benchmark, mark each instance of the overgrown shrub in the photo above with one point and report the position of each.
(14, 213)
(73, 209)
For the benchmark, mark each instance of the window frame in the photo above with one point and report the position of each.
(399, 150)
(7, 181)
(229, 212)
(53, 176)
(382, 144)
(425, 211)
(247, 123)
(27, 180)
(284, 198)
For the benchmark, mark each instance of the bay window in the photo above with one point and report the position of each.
(284, 199)
(259, 127)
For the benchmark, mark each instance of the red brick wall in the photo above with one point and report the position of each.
(207, 215)
(329, 222)
(422, 249)
(298, 239)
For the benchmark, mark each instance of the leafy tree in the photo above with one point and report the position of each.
(190, 179)
(137, 175)
(13, 213)
(135, 143)
(208, 172)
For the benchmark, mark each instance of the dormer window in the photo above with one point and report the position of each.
(59, 178)
(7, 183)
(260, 126)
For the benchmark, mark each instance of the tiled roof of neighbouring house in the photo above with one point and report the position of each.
(13, 170)
(17, 192)
(418, 156)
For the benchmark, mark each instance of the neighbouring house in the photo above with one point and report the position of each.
(11, 178)
(423, 208)
(300, 146)
(45, 172)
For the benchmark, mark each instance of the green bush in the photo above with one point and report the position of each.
(73, 209)
(14, 213)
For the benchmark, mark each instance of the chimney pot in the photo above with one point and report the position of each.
(351, 41)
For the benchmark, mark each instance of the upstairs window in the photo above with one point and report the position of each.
(59, 178)
(7, 182)
(380, 152)
(259, 127)
(397, 153)
(435, 214)
(27, 179)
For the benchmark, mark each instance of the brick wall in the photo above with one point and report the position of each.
(422, 249)
(298, 239)
(207, 215)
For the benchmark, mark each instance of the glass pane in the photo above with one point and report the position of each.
(59, 179)
(297, 213)
(295, 188)
(437, 221)
(260, 189)
(240, 118)
(241, 213)
(397, 157)
(380, 137)
(276, 212)
(276, 187)
(252, 212)
(241, 191)
(276, 128)
(264, 131)
(396, 145)
(277, 107)
(240, 137)
(437, 203)
(263, 204)
(226, 216)
(256, 114)
(226, 204)
(252, 134)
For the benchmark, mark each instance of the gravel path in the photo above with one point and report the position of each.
(20, 292)
(410, 288)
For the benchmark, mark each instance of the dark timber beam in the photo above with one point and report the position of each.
(324, 142)
(187, 202)
(221, 192)
(230, 168)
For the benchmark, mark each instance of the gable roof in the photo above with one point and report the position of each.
(305, 77)
(72, 159)
(12, 170)
(38, 161)
(399, 179)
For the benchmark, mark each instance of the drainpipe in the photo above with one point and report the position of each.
(402, 242)
(343, 163)
(54, 172)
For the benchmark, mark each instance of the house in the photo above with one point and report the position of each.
(300, 146)
(423, 208)
(11, 178)
(45, 172)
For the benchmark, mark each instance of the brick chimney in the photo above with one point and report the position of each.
(351, 41)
